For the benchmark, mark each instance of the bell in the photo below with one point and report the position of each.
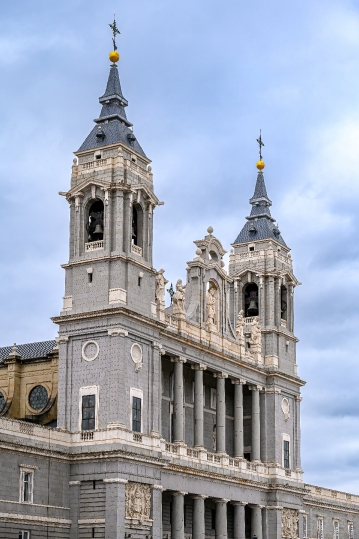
(253, 308)
(98, 229)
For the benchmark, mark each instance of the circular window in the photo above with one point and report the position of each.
(2, 401)
(90, 350)
(38, 398)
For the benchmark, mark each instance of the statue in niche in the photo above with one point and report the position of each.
(240, 326)
(179, 298)
(211, 309)
(290, 523)
(160, 288)
(138, 501)
(256, 336)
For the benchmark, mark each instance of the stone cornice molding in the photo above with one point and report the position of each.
(115, 480)
(114, 332)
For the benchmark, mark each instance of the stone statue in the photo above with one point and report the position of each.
(290, 523)
(211, 309)
(256, 336)
(179, 298)
(240, 326)
(160, 288)
(138, 501)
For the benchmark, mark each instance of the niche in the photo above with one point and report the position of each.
(251, 300)
(94, 225)
(137, 225)
(283, 302)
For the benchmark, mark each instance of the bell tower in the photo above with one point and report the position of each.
(261, 267)
(111, 207)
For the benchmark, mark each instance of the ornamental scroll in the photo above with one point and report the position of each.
(290, 523)
(138, 501)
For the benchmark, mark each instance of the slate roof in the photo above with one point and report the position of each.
(33, 350)
(112, 125)
(260, 224)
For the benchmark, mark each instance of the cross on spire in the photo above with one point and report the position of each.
(261, 144)
(115, 32)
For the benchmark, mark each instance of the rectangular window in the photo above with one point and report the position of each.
(335, 529)
(213, 519)
(305, 527)
(351, 530)
(24, 535)
(136, 414)
(319, 528)
(26, 486)
(88, 421)
(286, 454)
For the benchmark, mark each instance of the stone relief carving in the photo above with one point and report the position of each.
(179, 298)
(138, 501)
(256, 336)
(136, 355)
(290, 523)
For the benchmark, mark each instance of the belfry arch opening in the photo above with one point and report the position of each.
(283, 302)
(251, 300)
(137, 225)
(95, 222)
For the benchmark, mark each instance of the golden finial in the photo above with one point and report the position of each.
(114, 56)
(260, 164)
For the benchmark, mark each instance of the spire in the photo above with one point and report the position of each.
(112, 125)
(260, 224)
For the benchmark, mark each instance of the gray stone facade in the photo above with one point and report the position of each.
(172, 423)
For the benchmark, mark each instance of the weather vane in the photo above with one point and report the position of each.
(115, 32)
(259, 140)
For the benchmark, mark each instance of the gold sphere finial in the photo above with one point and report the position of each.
(260, 165)
(114, 56)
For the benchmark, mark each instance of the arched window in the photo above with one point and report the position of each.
(137, 225)
(251, 300)
(283, 302)
(94, 225)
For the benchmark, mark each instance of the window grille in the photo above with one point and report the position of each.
(24, 535)
(335, 529)
(319, 528)
(88, 412)
(351, 530)
(26, 486)
(136, 414)
(286, 454)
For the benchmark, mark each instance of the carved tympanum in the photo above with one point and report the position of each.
(290, 523)
(138, 501)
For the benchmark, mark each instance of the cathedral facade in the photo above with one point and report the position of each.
(147, 422)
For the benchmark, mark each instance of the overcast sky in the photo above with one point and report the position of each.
(201, 77)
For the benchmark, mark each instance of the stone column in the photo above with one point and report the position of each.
(115, 508)
(277, 303)
(198, 519)
(256, 433)
(156, 511)
(156, 401)
(257, 521)
(74, 507)
(221, 519)
(238, 417)
(298, 463)
(271, 301)
(221, 413)
(273, 522)
(178, 434)
(239, 522)
(198, 405)
(177, 527)
(290, 316)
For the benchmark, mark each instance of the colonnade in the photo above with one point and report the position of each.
(178, 429)
(198, 518)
